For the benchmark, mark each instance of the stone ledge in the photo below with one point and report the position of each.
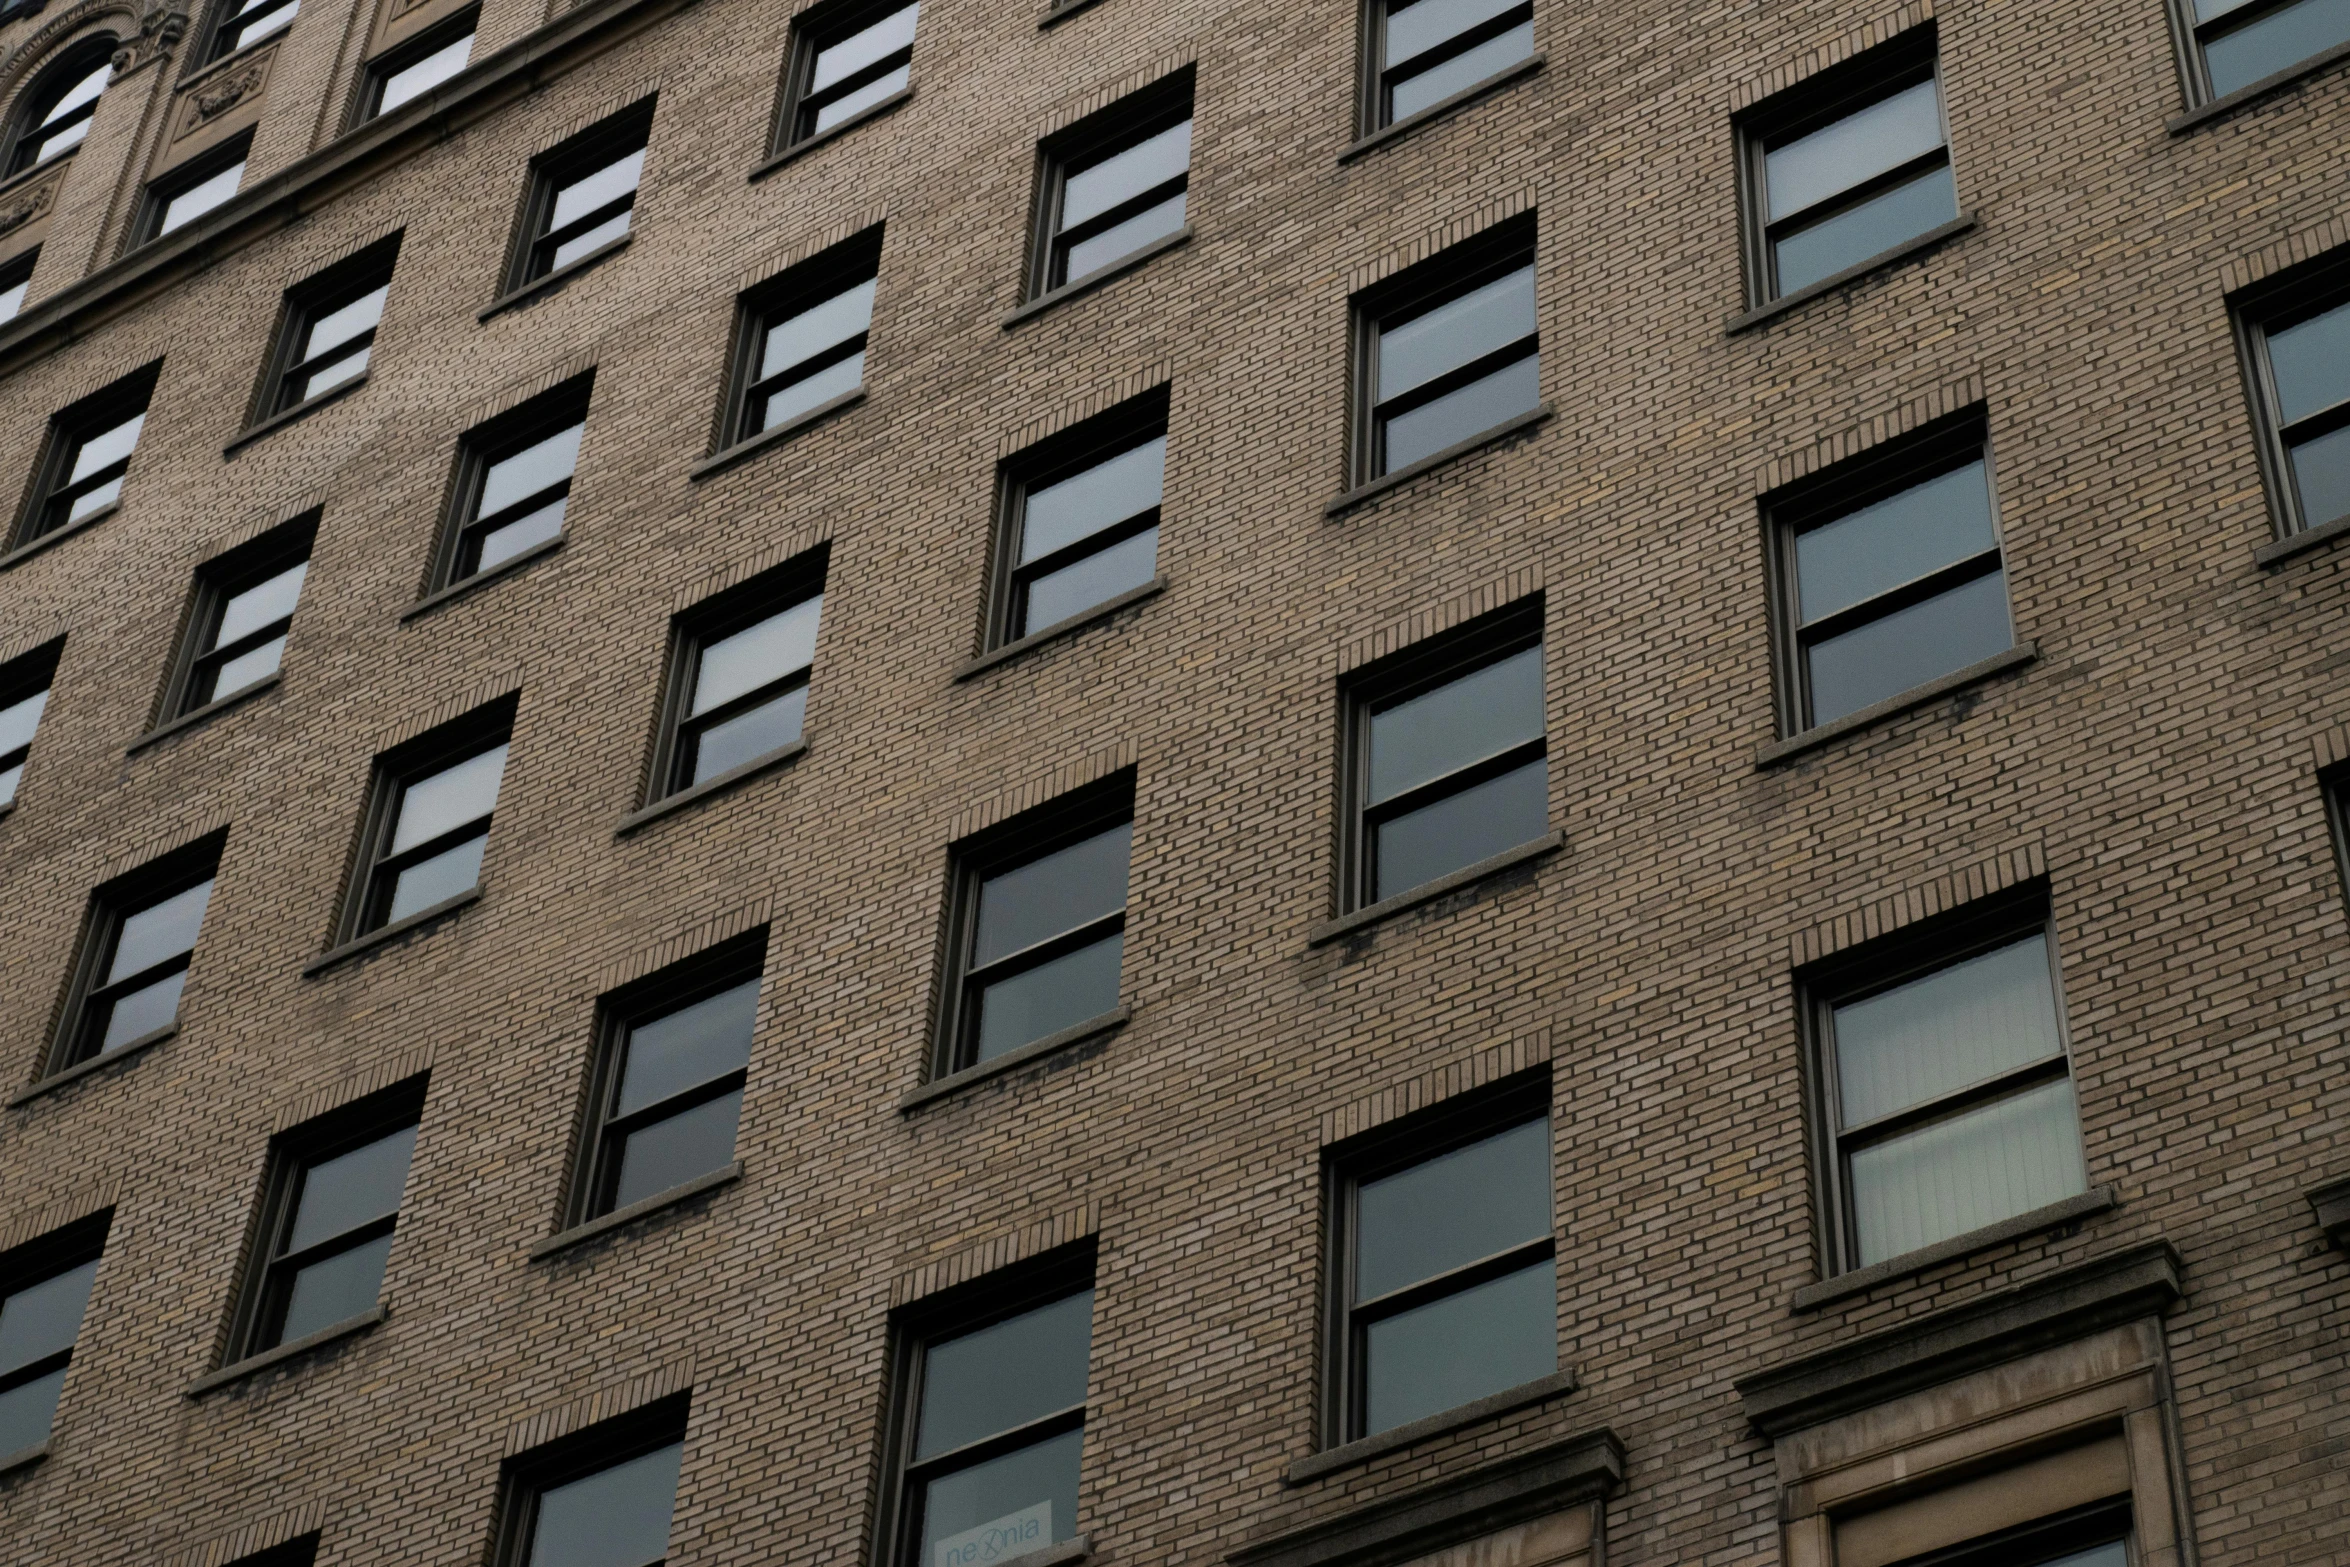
(540, 287)
(800, 149)
(210, 710)
(2096, 1200)
(1829, 733)
(997, 1066)
(2252, 92)
(1434, 460)
(581, 1234)
(1327, 931)
(1445, 1421)
(1444, 107)
(385, 935)
(23, 1458)
(254, 1365)
(2330, 1201)
(2294, 545)
(1905, 251)
(285, 416)
(81, 1069)
(55, 536)
(751, 446)
(482, 579)
(1097, 277)
(1061, 628)
(719, 783)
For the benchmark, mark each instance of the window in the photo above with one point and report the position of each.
(328, 330)
(1448, 352)
(56, 113)
(88, 453)
(1444, 1275)
(600, 1498)
(24, 696)
(2053, 1543)
(1948, 1096)
(416, 68)
(1039, 925)
(990, 1422)
(1426, 51)
(136, 946)
(187, 193)
(332, 1202)
(2241, 43)
(237, 629)
(16, 280)
(513, 483)
(294, 1553)
(1447, 755)
(1081, 519)
(1114, 184)
(1890, 574)
(240, 24)
(582, 197)
(668, 1086)
(2296, 336)
(846, 61)
(739, 677)
(431, 819)
(800, 339)
(1848, 167)
(44, 1292)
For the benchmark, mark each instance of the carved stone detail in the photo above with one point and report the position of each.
(162, 24)
(28, 204)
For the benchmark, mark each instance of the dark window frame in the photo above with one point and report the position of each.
(58, 78)
(2273, 305)
(527, 1476)
(35, 1262)
(317, 296)
(604, 143)
(799, 287)
(1442, 1128)
(299, 1552)
(1415, 671)
(1884, 470)
(813, 31)
(456, 558)
(379, 71)
(49, 494)
(771, 592)
(76, 1036)
(167, 187)
(1374, 108)
(15, 270)
(2193, 38)
(1069, 452)
(217, 44)
(2044, 1540)
(20, 678)
(1095, 139)
(375, 872)
(217, 581)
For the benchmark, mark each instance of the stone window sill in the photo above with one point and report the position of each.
(54, 537)
(686, 799)
(1061, 628)
(388, 934)
(129, 1049)
(1443, 1423)
(1916, 696)
(2330, 1201)
(824, 138)
(1444, 108)
(2055, 1215)
(2253, 92)
(1097, 277)
(1434, 460)
(581, 1234)
(204, 714)
(2294, 545)
(744, 450)
(997, 1066)
(539, 287)
(23, 1458)
(1908, 250)
(480, 579)
(285, 416)
(254, 1365)
(1428, 892)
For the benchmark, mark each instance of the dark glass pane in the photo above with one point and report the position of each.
(1452, 1210)
(27, 1410)
(448, 799)
(750, 734)
(503, 543)
(2321, 477)
(1415, 352)
(530, 470)
(412, 81)
(745, 660)
(161, 930)
(1123, 239)
(1125, 175)
(1005, 1375)
(1909, 647)
(1973, 1020)
(1481, 714)
(1008, 1506)
(1080, 585)
(1049, 997)
(38, 1321)
(1463, 70)
(1869, 229)
(1421, 25)
(2114, 1554)
(349, 1190)
(258, 605)
(824, 325)
(142, 1011)
(2311, 364)
(789, 402)
(1960, 1173)
(335, 1290)
(616, 1517)
(1461, 829)
(1859, 147)
(670, 1153)
(2276, 42)
(1470, 410)
(444, 876)
(1112, 490)
(867, 46)
(689, 1046)
(1056, 892)
(1896, 540)
(1465, 1346)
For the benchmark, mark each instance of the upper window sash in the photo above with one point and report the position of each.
(244, 23)
(408, 75)
(848, 73)
(180, 204)
(1429, 50)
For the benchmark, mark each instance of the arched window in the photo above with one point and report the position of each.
(56, 112)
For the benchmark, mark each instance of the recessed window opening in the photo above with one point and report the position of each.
(328, 335)
(1083, 520)
(743, 685)
(16, 281)
(1454, 365)
(244, 23)
(2246, 41)
(669, 1090)
(331, 1231)
(432, 821)
(44, 1294)
(245, 607)
(2305, 354)
(88, 456)
(141, 938)
(57, 114)
(850, 66)
(602, 1498)
(1115, 184)
(514, 483)
(417, 68)
(583, 195)
(803, 338)
(24, 697)
(1428, 50)
(180, 198)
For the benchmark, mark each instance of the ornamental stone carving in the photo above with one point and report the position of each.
(215, 98)
(162, 24)
(24, 206)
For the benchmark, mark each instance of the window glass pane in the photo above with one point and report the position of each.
(352, 1189)
(749, 735)
(449, 798)
(106, 448)
(1082, 584)
(862, 48)
(747, 659)
(2276, 42)
(1896, 540)
(671, 1152)
(27, 1411)
(19, 720)
(1457, 415)
(1112, 490)
(1908, 647)
(2115, 1554)
(1003, 1376)
(817, 328)
(1426, 346)
(616, 1517)
(1124, 175)
(1005, 1507)
(1463, 70)
(1049, 997)
(590, 191)
(1481, 714)
(1948, 1177)
(689, 1046)
(1461, 829)
(84, 91)
(253, 32)
(1123, 239)
(257, 663)
(1439, 1356)
(1425, 23)
(862, 98)
(142, 1011)
(10, 777)
(1959, 1025)
(196, 200)
(2321, 477)
(503, 543)
(795, 399)
(2311, 363)
(331, 375)
(544, 462)
(424, 75)
(38, 1321)
(441, 877)
(159, 931)
(258, 605)
(588, 239)
(1870, 229)
(1452, 1210)
(96, 500)
(340, 326)
(335, 1289)
(1057, 892)
(1858, 147)
(12, 296)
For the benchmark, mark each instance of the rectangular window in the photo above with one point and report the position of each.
(294, 1553)
(16, 280)
(668, 1086)
(1039, 922)
(418, 66)
(2241, 43)
(1890, 573)
(1945, 1082)
(1448, 352)
(513, 483)
(24, 696)
(1447, 751)
(430, 819)
(1113, 184)
(187, 193)
(237, 626)
(599, 1498)
(800, 339)
(240, 24)
(87, 455)
(1443, 1273)
(327, 331)
(846, 60)
(991, 1419)
(44, 1293)
(136, 947)
(739, 668)
(2296, 339)
(1426, 51)
(582, 197)
(1081, 519)
(1847, 167)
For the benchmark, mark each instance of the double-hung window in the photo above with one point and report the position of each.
(16, 281)
(739, 680)
(87, 456)
(57, 112)
(244, 23)
(846, 62)
(431, 820)
(2242, 43)
(332, 1204)
(598, 1498)
(136, 947)
(1891, 575)
(1114, 184)
(801, 338)
(1081, 520)
(24, 696)
(668, 1089)
(1448, 352)
(244, 608)
(513, 484)
(582, 197)
(44, 1293)
(2297, 341)
(1427, 51)
(327, 333)
(418, 66)
(187, 193)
